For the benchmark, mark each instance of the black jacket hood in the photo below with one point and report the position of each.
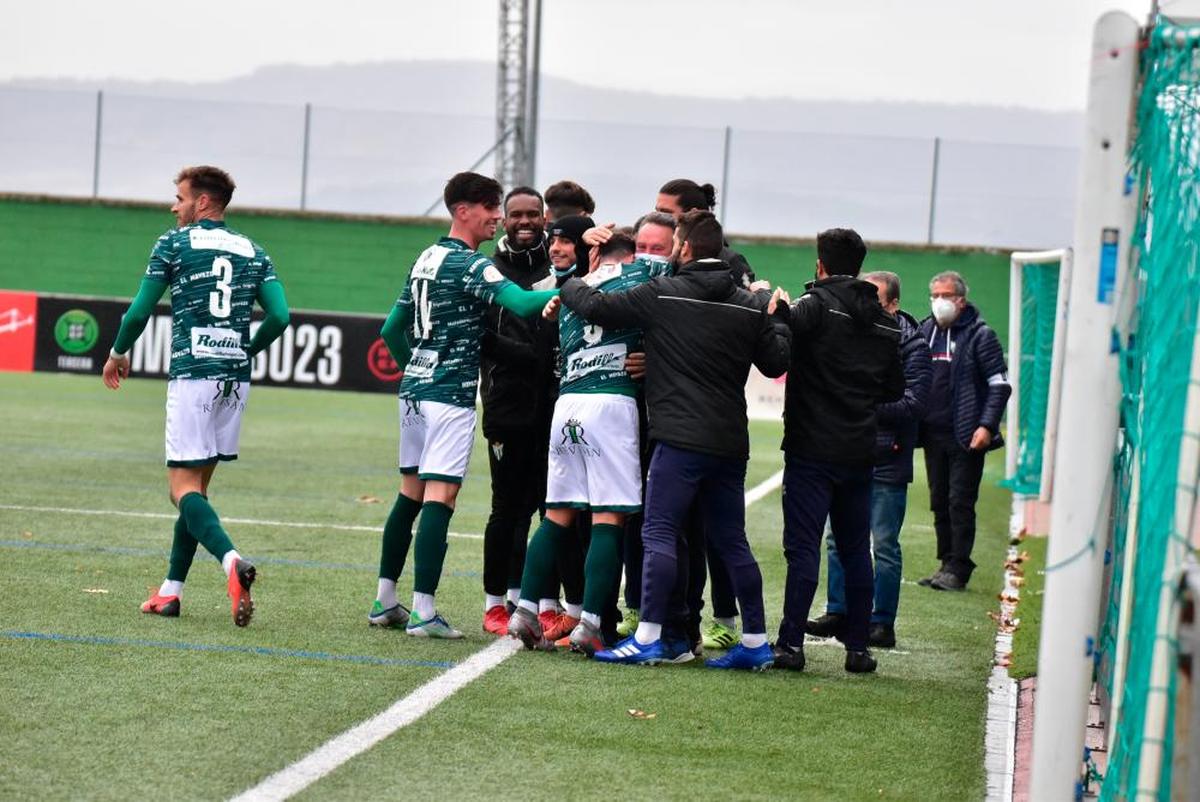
(858, 297)
(531, 258)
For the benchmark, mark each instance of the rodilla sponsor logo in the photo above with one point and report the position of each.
(422, 363)
(217, 343)
(591, 360)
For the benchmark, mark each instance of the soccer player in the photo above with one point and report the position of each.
(595, 461)
(441, 308)
(215, 275)
(702, 334)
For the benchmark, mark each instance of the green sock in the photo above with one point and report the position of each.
(430, 550)
(397, 536)
(602, 566)
(183, 549)
(203, 524)
(540, 561)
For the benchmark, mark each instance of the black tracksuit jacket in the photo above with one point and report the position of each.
(701, 333)
(845, 361)
(516, 363)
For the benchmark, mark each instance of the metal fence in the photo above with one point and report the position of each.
(388, 162)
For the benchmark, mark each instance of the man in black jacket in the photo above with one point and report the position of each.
(845, 361)
(894, 444)
(702, 333)
(516, 369)
(966, 401)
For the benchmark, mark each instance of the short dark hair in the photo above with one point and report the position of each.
(701, 229)
(567, 197)
(889, 280)
(621, 243)
(690, 194)
(841, 251)
(472, 188)
(523, 190)
(204, 179)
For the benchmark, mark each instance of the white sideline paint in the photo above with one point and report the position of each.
(326, 758)
(245, 521)
(764, 488)
(356, 740)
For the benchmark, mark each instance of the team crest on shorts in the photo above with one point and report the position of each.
(573, 432)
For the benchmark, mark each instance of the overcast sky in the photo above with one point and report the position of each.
(1003, 52)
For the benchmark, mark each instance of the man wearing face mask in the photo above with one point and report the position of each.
(966, 401)
(516, 373)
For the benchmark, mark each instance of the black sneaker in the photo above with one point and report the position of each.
(948, 581)
(830, 625)
(857, 662)
(881, 635)
(790, 658)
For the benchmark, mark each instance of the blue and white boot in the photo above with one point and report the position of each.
(760, 658)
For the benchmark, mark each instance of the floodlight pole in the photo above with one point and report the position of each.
(512, 80)
(535, 82)
(1087, 435)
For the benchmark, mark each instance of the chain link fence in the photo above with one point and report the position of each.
(785, 184)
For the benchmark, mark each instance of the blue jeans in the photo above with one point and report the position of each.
(888, 502)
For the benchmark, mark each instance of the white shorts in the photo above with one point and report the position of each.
(204, 418)
(594, 458)
(436, 439)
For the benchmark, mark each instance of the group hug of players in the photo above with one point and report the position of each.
(653, 330)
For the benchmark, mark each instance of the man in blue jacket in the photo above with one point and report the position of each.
(895, 440)
(966, 401)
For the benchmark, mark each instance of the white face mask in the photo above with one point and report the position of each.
(649, 257)
(945, 310)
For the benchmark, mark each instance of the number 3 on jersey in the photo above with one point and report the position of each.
(219, 301)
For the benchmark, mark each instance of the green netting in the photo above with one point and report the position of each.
(1156, 366)
(1039, 311)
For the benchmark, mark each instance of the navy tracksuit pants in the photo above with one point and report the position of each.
(678, 478)
(814, 491)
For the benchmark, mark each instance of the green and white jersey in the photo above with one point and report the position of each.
(448, 289)
(214, 274)
(592, 357)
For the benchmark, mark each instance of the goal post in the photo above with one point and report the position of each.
(1038, 287)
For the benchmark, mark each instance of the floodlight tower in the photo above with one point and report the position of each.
(516, 92)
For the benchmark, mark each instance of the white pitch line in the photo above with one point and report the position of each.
(763, 488)
(245, 521)
(292, 779)
(333, 753)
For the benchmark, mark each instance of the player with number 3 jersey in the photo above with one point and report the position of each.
(434, 332)
(215, 275)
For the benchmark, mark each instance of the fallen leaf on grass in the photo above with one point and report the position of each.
(367, 499)
(27, 535)
(641, 714)
(95, 590)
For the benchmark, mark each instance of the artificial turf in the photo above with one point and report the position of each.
(133, 708)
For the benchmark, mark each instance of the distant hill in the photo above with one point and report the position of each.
(468, 88)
